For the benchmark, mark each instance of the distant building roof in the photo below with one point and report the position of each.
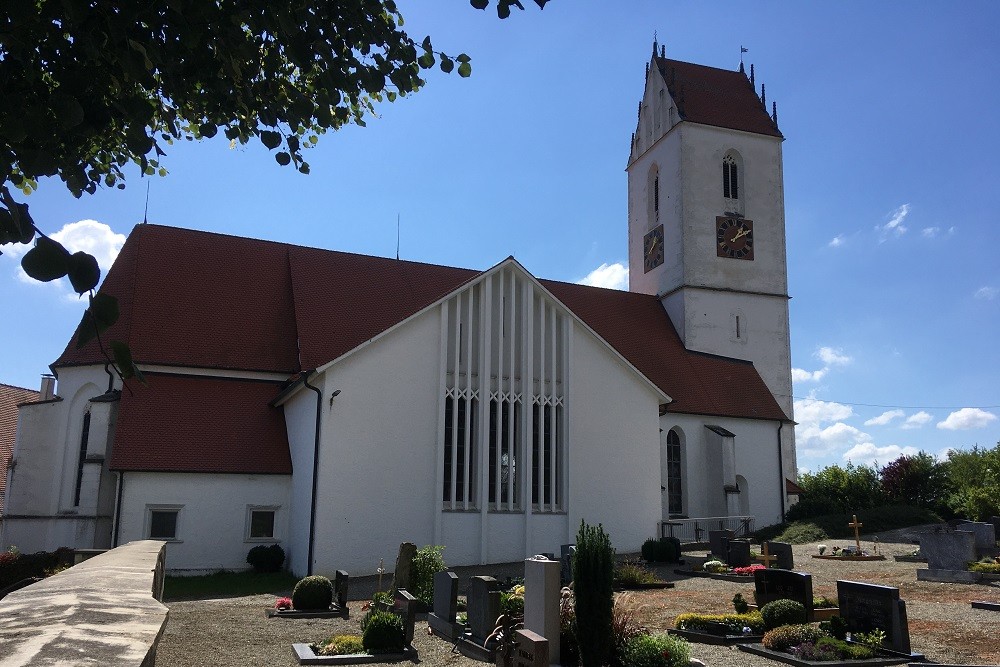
(10, 397)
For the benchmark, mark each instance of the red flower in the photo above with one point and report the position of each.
(283, 603)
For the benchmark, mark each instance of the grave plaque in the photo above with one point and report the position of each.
(566, 552)
(532, 649)
(340, 582)
(739, 553)
(441, 619)
(771, 585)
(783, 551)
(483, 607)
(405, 606)
(986, 538)
(715, 544)
(867, 607)
(948, 550)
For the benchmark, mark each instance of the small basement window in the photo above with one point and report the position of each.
(260, 523)
(163, 523)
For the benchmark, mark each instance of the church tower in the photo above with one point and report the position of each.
(706, 214)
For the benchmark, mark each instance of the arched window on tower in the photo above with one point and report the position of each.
(654, 196)
(730, 178)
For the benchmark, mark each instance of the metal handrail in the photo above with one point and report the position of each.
(695, 529)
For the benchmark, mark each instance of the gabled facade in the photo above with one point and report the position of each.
(339, 404)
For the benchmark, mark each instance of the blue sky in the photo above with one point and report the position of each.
(891, 177)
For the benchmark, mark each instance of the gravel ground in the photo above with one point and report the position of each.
(235, 632)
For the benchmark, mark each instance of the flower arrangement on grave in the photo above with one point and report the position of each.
(512, 602)
(381, 632)
(715, 567)
(986, 566)
(283, 603)
(822, 549)
(807, 642)
(748, 570)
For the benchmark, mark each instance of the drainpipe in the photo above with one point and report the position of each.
(315, 471)
(781, 473)
(118, 508)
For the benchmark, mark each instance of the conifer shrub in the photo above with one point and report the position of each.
(266, 558)
(836, 627)
(663, 550)
(787, 636)
(782, 612)
(593, 581)
(313, 593)
(383, 632)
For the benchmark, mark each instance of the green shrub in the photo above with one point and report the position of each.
(782, 612)
(739, 604)
(313, 593)
(383, 632)
(632, 573)
(624, 628)
(985, 567)
(266, 558)
(427, 562)
(659, 650)
(786, 636)
(836, 627)
(382, 597)
(663, 550)
(15, 566)
(734, 623)
(834, 526)
(593, 580)
(827, 648)
(820, 601)
(511, 604)
(342, 645)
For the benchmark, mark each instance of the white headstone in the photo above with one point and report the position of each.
(541, 602)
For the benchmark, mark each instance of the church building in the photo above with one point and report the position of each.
(339, 404)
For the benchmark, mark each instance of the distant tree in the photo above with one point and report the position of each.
(89, 87)
(917, 480)
(836, 489)
(974, 483)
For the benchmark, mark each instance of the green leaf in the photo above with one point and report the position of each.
(426, 61)
(465, 70)
(47, 261)
(447, 64)
(208, 130)
(270, 139)
(283, 158)
(123, 359)
(102, 313)
(463, 58)
(68, 110)
(84, 273)
(480, 4)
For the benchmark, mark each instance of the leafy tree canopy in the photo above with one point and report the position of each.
(88, 87)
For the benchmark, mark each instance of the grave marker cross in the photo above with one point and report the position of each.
(766, 557)
(855, 525)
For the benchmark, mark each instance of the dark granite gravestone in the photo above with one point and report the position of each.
(783, 551)
(340, 583)
(483, 607)
(771, 585)
(867, 607)
(715, 544)
(995, 520)
(532, 649)
(948, 550)
(404, 564)
(441, 618)
(566, 554)
(405, 606)
(739, 553)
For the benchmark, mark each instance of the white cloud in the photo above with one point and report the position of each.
(967, 418)
(821, 429)
(987, 292)
(90, 236)
(895, 226)
(917, 420)
(612, 276)
(800, 375)
(868, 453)
(930, 232)
(837, 241)
(814, 411)
(885, 418)
(832, 356)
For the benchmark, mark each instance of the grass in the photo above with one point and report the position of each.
(228, 584)
(834, 526)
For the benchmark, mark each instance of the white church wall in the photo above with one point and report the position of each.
(614, 447)
(300, 425)
(212, 523)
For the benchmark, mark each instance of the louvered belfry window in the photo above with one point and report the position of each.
(730, 178)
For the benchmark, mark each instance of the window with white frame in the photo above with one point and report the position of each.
(163, 522)
(260, 523)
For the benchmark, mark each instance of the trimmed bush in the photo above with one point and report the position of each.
(709, 623)
(660, 650)
(427, 562)
(342, 645)
(739, 604)
(782, 612)
(593, 581)
(511, 604)
(663, 550)
(787, 636)
(266, 558)
(313, 593)
(383, 632)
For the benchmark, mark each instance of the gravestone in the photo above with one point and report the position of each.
(715, 543)
(404, 564)
(483, 608)
(739, 553)
(867, 607)
(405, 606)
(441, 619)
(995, 520)
(532, 649)
(567, 553)
(771, 585)
(340, 583)
(986, 537)
(948, 550)
(541, 601)
(783, 551)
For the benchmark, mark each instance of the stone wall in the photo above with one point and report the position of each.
(104, 611)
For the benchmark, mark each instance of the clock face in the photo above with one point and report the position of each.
(734, 238)
(652, 248)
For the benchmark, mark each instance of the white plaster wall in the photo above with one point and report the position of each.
(614, 447)
(212, 524)
(300, 424)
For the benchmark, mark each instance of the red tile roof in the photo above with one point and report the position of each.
(712, 96)
(198, 299)
(10, 397)
(200, 424)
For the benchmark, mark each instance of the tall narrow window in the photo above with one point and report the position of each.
(656, 195)
(460, 428)
(546, 473)
(84, 436)
(730, 178)
(503, 452)
(674, 491)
